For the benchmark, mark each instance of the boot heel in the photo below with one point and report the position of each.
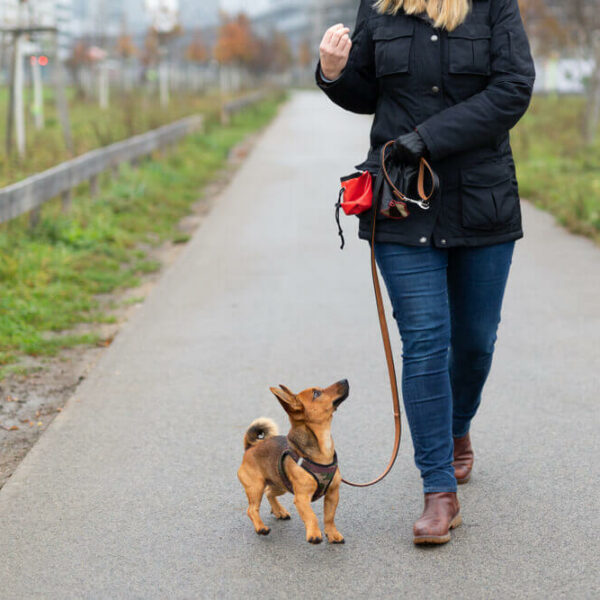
(456, 521)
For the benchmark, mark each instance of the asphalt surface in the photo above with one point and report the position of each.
(132, 492)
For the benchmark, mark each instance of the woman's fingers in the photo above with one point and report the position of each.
(329, 33)
(338, 36)
(347, 45)
(333, 36)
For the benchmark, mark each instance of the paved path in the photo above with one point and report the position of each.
(132, 492)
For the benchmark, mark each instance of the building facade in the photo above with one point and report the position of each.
(9, 13)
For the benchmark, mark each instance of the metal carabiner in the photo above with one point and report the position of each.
(424, 204)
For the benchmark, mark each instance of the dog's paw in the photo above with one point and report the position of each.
(335, 537)
(263, 531)
(283, 517)
(315, 539)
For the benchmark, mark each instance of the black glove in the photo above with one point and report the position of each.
(409, 148)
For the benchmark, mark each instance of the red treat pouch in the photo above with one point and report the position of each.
(356, 195)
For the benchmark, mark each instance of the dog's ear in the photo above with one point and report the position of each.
(286, 390)
(288, 400)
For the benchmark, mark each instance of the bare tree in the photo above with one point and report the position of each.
(547, 31)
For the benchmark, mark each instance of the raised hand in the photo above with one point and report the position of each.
(335, 50)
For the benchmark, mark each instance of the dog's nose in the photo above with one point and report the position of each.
(344, 383)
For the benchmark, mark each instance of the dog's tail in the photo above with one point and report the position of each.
(261, 429)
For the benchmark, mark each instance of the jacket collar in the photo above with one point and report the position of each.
(424, 17)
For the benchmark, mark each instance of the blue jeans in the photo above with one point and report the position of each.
(447, 304)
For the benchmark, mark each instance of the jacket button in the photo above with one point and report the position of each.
(435, 89)
(423, 240)
(434, 38)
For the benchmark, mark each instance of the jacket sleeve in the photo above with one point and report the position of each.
(492, 112)
(356, 88)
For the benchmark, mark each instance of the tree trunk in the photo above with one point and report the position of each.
(19, 106)
(10, 113)
(38, 94)
(62, 106)
(104, 86)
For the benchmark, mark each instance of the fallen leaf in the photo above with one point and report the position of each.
(107, 342)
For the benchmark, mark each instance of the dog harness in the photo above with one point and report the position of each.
(323, 474)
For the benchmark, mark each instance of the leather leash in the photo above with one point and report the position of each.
(385, 334)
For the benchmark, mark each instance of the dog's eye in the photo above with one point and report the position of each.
(316, 394)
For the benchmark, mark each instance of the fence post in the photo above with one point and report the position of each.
(94, 186)
(66, 201)
(34, 217)
(225, 116)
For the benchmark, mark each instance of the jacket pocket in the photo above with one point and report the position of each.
(393, 42)
(469, 49)
(488, 198)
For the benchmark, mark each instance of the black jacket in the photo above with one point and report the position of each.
(462, 91)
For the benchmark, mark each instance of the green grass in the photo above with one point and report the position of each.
(555, 170)
(51, 275)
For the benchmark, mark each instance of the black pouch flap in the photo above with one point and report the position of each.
(485, 175)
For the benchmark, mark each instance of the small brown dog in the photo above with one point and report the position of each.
(303, 463)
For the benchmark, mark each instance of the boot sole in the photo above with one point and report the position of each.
(464, 480)
(439, 539)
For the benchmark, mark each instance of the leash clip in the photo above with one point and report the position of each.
(424, 204)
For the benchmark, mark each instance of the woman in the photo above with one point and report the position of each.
(447, 79)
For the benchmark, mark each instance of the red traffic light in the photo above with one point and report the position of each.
(43, 60)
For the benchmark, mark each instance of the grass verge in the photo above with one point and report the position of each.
(556, 171)
(51, 275)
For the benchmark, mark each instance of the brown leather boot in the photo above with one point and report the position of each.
(440, 515)
(464, 457)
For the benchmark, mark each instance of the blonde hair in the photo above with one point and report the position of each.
(448, 14)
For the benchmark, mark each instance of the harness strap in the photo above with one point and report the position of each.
(322, 474)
